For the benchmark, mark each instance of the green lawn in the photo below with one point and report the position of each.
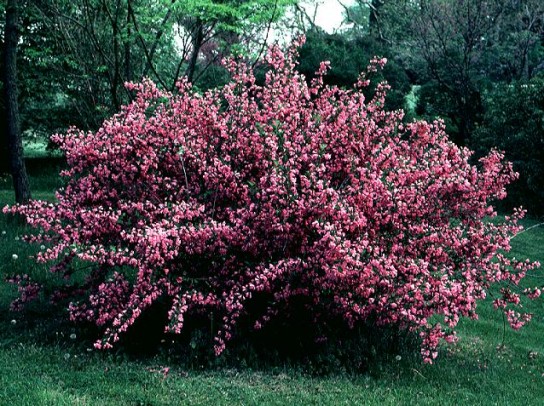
(41, 365)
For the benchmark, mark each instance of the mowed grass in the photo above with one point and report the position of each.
(41, 363)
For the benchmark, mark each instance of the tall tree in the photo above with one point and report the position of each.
(101, 44)
(457, 48)
(13, 131)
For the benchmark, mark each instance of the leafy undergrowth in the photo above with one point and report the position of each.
(47, 361)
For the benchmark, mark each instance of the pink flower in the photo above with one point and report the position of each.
(279, 192)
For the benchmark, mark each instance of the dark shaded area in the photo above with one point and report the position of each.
(514, 123)
(293, 340)
(349, 56)
(13, 126)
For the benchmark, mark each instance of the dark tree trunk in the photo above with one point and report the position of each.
(15, 143)
(198, 38)
(4, 150)
(127, 44)
(114, 86)
(158, 36)
(374, 22)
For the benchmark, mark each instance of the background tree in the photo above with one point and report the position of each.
(520, 132)
(13, 132)
(456, 49)
(105, 44)
(75, 56)
(344, 71)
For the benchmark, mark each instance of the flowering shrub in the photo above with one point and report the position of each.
(279, 192)
(28, 291)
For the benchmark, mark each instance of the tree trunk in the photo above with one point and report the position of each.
(374, 22)
(15, 143)
(198, 37)
(127, 44)
(4, 150)
(158, 36)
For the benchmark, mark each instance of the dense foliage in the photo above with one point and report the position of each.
(280, 193)
(79, 53)
(520, 132)
(344, 70)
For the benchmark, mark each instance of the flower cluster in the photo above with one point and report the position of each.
(27, 290)
(282, 191)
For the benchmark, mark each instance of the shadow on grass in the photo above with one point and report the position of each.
(289, 343)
